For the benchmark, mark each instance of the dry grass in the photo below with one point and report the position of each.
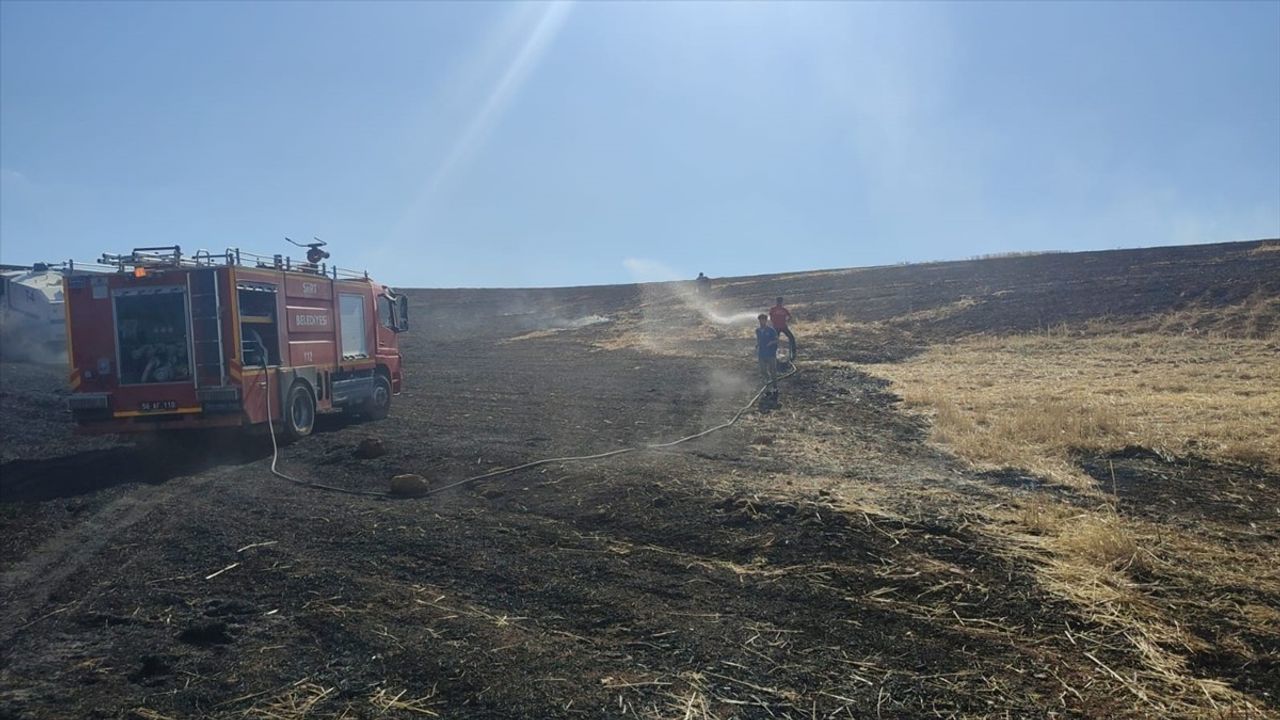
(306, 699)
(833, 325)
(142, 713)
(1030, 401)
(1042, 516)
(1091, 557)
(935, 314)
(826, 324)
(674, 342)
(1257, 317)
(294, 703)
(674, 331)
(1100, 541)
(387, 701)
(1204, 382)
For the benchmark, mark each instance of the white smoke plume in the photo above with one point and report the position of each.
(685, 291)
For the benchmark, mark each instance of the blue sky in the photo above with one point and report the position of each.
(490, 144)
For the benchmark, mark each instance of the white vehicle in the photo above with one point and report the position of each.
(31, 314)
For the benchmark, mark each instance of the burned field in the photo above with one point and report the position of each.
(829, 557)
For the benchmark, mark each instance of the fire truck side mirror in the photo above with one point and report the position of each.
(402, 313)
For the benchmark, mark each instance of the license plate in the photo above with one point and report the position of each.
(153, 405)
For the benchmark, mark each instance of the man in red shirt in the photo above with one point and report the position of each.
(778, 317)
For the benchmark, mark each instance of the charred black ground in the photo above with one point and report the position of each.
(729, 578)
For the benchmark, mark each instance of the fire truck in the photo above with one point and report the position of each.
(159, 341)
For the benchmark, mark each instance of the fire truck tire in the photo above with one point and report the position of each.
(299, 414)
(379, 403)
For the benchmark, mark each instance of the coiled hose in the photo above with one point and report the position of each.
(275, 448)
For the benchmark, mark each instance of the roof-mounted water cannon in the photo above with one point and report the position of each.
(314, 254)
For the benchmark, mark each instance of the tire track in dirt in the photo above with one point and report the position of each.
(27, 587)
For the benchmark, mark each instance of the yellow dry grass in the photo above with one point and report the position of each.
(143, 713)
(1256, 317)
(837, 324)
(1268, 247)
(935, 314)
(387, 701)
(833, 325)
(1091, 557)
(1030, 400)
(677, 338)
(1202, 381)
(295, 703)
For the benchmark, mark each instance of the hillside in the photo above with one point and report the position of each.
(1039, 486)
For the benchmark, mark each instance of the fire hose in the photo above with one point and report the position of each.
(275, 448)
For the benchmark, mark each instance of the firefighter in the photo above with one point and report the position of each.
(703, 284)
(767, 353)
(778, 317)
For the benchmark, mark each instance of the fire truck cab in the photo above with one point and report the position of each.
(161, 342)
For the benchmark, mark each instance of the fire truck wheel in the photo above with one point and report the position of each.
(299, 412)
(379, 403)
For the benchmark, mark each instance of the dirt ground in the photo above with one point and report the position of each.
(818, 559)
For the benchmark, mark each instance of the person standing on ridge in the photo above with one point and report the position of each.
(767, 353)
(703, 284)
(778, 317)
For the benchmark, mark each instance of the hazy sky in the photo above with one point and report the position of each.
(492, 144)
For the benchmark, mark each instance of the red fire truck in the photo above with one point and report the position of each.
(161, 341)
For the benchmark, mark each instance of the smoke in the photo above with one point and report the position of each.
(684, 291)
(678, 318)
(578, 322)
(726, 391)
(548, 321)
(547, 313)
(26, 340)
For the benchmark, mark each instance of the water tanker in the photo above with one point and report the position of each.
(160, 341)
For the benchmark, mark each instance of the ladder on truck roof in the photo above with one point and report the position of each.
(171, 257)
(206, 327)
